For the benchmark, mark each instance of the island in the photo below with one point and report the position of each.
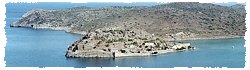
(119, 31)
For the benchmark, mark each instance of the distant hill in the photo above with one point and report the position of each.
(198, 19)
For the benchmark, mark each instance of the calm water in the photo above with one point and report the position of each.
(46, 48)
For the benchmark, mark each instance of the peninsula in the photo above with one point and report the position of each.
(119, 31)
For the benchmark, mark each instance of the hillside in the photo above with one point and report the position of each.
(198, 18)
(166, 22)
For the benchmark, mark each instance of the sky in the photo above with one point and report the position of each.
(126, 1)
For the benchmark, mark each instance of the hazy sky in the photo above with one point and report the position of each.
(75, 1)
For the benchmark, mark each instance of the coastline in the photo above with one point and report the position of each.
(128, 42)
(37, 19)
(67, 29)
(207, 38)
(34, 42)
(76, 54)
(119, 54)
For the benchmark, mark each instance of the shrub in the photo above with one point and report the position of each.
(130, 39)
(144, 39)
(107, 45)
(157, 39)
(99, 42)
(120, 39)
(119, 16)
(135, 43)
(109, 41)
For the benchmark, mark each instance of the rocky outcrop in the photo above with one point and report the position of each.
(118, 42)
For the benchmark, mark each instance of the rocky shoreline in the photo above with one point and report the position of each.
(101, 53)
(66, 29)
(120, 42)
(207, 38)
(118, 53)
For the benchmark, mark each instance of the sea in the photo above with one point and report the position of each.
(28, 47)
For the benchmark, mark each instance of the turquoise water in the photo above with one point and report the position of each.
(46, 48)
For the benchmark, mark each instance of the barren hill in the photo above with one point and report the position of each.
(130, 30)
(201, 19)
(197, 18)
